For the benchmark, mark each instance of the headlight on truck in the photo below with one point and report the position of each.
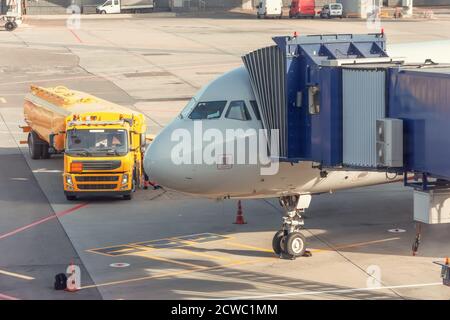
(69, 180)
(125, 179)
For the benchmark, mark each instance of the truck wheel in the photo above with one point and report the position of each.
(128, 196)
(34, 146)
(103, 12)
(71, 198)
(45, 153)
(9, 26)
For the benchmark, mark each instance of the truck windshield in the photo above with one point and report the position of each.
(97, 142)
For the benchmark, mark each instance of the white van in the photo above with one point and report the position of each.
(332, 10)
(269, 8)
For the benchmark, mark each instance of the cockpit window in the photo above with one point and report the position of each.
(238, 111)
(255, 109)
(208, 110)
(188, 108)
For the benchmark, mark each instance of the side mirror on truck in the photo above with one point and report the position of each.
(51, 142)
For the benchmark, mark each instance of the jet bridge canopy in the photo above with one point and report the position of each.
(340, 101)
(286, 79)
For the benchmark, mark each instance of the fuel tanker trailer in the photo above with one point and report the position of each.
(102, 142)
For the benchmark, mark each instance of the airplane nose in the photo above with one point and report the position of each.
(160, 167)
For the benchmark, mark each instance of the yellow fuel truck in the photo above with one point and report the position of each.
(102, 142)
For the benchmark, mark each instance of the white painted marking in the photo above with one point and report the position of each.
(46, 171)
(2, 100)
(19, 179)
(397, 230)
(308, 293)
(119, 265)
(16, 275)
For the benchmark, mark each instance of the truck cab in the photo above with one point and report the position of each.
(103, 155)
(332, 10)
(302, 8)
(125, 6)
(269, 8)
(109, 6)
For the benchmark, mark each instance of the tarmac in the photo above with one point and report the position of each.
(167, 245)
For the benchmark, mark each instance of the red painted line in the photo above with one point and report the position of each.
(53, 216)
(5, 297)
(76, 36)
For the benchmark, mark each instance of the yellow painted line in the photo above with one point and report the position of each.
(2, 100)
(101, 253)
(346, 246)
(124, 250)
(168, 274)
(357, 244)
(235, 244)
(146, 255)
(16, 275)
(201, 254)
(139, 245)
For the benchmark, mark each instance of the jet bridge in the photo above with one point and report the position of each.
(341, 102)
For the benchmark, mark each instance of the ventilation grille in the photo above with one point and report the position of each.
(364, 102)
(97, 186)
(96, 178)
(100, 165)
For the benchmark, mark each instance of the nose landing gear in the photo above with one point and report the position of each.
(289, 242)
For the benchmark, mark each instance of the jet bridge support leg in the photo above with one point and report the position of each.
(289, 242)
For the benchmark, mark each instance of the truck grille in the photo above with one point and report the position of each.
(100, 165)
(96, 178)
(97, 186)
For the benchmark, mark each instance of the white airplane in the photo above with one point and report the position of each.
(228, 102)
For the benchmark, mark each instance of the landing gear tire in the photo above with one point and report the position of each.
(289, 242)
(295, 244)
(71, 198)
(278, 242)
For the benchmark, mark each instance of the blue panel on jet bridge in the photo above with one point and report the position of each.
(421, 98)
(318, 137)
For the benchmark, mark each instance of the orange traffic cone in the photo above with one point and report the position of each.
(446, 261)
(239, 216)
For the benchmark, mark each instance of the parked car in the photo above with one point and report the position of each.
(332, 10)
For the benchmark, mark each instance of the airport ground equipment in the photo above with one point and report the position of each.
(125, 6)
(340, 102)
(13, 17)
(102, 142)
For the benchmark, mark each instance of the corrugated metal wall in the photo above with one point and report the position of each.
(267, 69)
(364, 101)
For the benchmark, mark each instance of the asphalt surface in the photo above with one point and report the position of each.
(164, 245)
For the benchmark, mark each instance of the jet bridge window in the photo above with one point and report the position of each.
(238, 111)
(208, 110)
